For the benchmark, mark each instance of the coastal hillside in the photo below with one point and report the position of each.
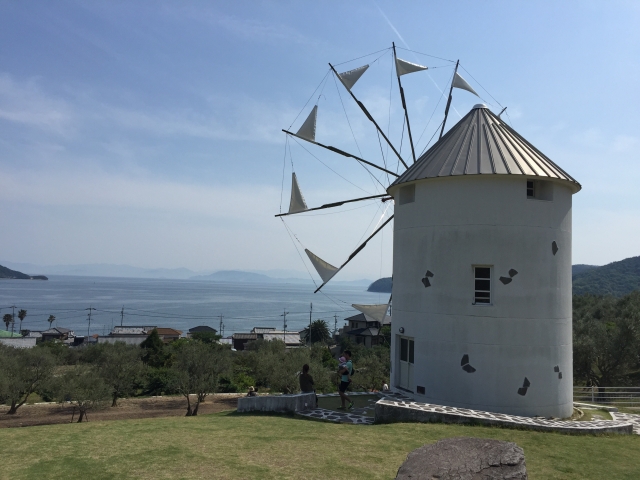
(617, 279)
(14, 274)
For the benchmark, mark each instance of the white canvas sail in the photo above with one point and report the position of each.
(350, 78)
(403, 67)
(324, 269)
(377, 312)
(459, 82)
(308, 128)
(297, 203)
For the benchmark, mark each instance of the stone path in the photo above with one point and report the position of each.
(403, 410)
(633, 418)
(621, 423)
(359, 416)
(349, 416)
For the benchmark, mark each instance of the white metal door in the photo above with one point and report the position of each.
(406, 363)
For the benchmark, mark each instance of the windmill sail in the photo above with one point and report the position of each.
(308, 128)
(297, 203)
(403, 67)
(324, 269)
(350, 78)
(377, 312)
(459, 82)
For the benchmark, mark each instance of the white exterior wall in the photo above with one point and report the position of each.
(454, 224)
(128, 339)
(19, 342)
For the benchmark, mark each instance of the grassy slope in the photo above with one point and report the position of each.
(243, 446)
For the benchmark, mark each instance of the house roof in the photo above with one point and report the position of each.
(364, 332)
(263, 330)
(289, 338)
(202, 328)
(244, 336)
(56, 331)
(483, 144)
(361, 317)
(168, 331)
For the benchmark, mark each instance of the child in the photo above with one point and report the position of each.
(342, 363)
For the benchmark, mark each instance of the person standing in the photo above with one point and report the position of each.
(345, 380)
(306, 382)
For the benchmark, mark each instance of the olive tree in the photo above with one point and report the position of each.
(606, 338)
(197, 368)
(23, 371)
(84, 388)
(120, 366)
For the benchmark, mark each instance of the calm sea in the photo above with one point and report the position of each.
(180, 304)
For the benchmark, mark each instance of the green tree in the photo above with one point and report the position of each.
(7, 319)
(606, 338)
(319, 332)
(23, 372)
(197, 369)
(51, 319)
(120, 366)
(84, 388)
(21, 315)
(278, 368)
(372, 372)
(206, 337)
(154, 353)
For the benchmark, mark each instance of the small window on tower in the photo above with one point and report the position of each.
(407, 194)
(482, 285)
(531, 191)
(540, 190)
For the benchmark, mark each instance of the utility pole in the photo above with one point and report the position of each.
(335, 324)
(221, 329)
(122, 315)
(284, 332)
(89, 327)
(310, 312)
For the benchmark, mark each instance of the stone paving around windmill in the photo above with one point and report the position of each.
(633, 418)
(405, 409)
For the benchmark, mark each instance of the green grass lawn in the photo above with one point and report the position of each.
(229, 445)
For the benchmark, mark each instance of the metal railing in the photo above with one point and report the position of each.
(621, 396)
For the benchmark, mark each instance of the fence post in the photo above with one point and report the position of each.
(592, 389)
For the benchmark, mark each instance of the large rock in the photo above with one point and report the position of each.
(465, 459)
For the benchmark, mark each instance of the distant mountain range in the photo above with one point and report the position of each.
(617, 279)
(238, 276)
(127, 271)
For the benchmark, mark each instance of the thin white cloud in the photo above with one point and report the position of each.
(25, 103)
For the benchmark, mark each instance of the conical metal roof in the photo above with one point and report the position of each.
(482, 144)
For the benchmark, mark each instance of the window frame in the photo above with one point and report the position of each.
(476, 290)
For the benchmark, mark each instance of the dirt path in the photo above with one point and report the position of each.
(47, 414)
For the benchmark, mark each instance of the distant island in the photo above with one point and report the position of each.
(15, 275)
(382, 285)
(617, 279)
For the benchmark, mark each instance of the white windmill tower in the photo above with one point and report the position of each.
(481, 264)
(482, 273)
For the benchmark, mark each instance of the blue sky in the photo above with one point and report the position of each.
(148, 133)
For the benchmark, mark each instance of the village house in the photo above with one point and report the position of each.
(201, 329)
(290, 338)
(58, 333)
(362, 329)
